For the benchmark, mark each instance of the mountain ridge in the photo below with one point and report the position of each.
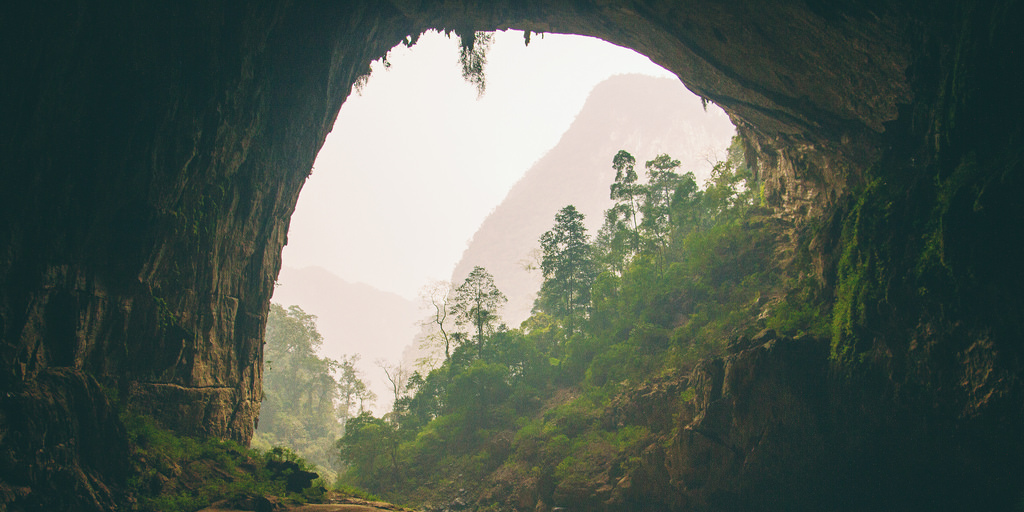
(648, 116)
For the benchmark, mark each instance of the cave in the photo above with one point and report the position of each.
(152, 154)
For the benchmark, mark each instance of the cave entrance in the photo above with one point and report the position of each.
(419, 138)
(417, 160)
(751, 60)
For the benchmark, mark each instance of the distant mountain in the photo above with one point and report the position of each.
(354, 318)
(644, 115)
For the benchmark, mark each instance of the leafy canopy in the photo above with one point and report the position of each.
(477, 302)
(568, 268)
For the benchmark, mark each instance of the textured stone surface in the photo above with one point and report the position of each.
(63, 446)
(761, 430)
(151, 155)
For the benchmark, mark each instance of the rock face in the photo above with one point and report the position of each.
(760, 429)
(151, 155)
(151, 158)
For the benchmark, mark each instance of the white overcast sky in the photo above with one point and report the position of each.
(416, 162)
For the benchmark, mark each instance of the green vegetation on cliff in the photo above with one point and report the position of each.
(178, 473)
(518, 416)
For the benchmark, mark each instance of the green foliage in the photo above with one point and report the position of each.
(473, 48)
(306, 398)
(881, 233)
(676, 272)
(689, 395)
(620, 235)
(368, 447)
(179, 473)
(662, 183)
(356, 492)
(590, 453)
(801, 312)
(476, 302)
(862, 274)
(166, 318)
(476, 389)
(568, 269)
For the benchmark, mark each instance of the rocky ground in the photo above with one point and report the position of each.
(334, 503)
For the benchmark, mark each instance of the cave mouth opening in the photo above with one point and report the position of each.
(419, 136)
(397, 208)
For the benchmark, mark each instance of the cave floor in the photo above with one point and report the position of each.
(337, 504)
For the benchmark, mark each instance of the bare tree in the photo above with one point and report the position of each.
(435, 297)
(398, 375)
(531, 262)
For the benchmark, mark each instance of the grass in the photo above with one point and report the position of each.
(172, 473)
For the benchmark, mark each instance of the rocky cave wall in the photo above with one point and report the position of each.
(152, 155)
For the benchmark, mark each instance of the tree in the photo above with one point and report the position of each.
(568, 268)
(351, 389)
(626, 193)
(478, 391)
(724, 190)
(424, 398)
(615, 242)
(435, 297)
(686, 210)
(476, 302)
(649, 318)
(366, 442)
(398, 376)
(661, 185)
(304, 405)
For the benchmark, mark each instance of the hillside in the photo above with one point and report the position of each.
(354, 318)
(644, 115)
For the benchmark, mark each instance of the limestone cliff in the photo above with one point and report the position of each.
(151, 154)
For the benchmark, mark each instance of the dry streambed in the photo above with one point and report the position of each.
(335, 504)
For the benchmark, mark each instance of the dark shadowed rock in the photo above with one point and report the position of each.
(296, 479)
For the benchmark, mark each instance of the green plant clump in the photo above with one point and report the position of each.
(180, 473)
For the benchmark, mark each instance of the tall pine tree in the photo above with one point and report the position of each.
(568, 269)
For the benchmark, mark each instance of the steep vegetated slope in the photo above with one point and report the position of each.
(645, 115)
(598, 400)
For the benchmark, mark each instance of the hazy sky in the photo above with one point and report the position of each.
(416, 162)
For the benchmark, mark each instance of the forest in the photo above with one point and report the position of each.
(679, 271)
